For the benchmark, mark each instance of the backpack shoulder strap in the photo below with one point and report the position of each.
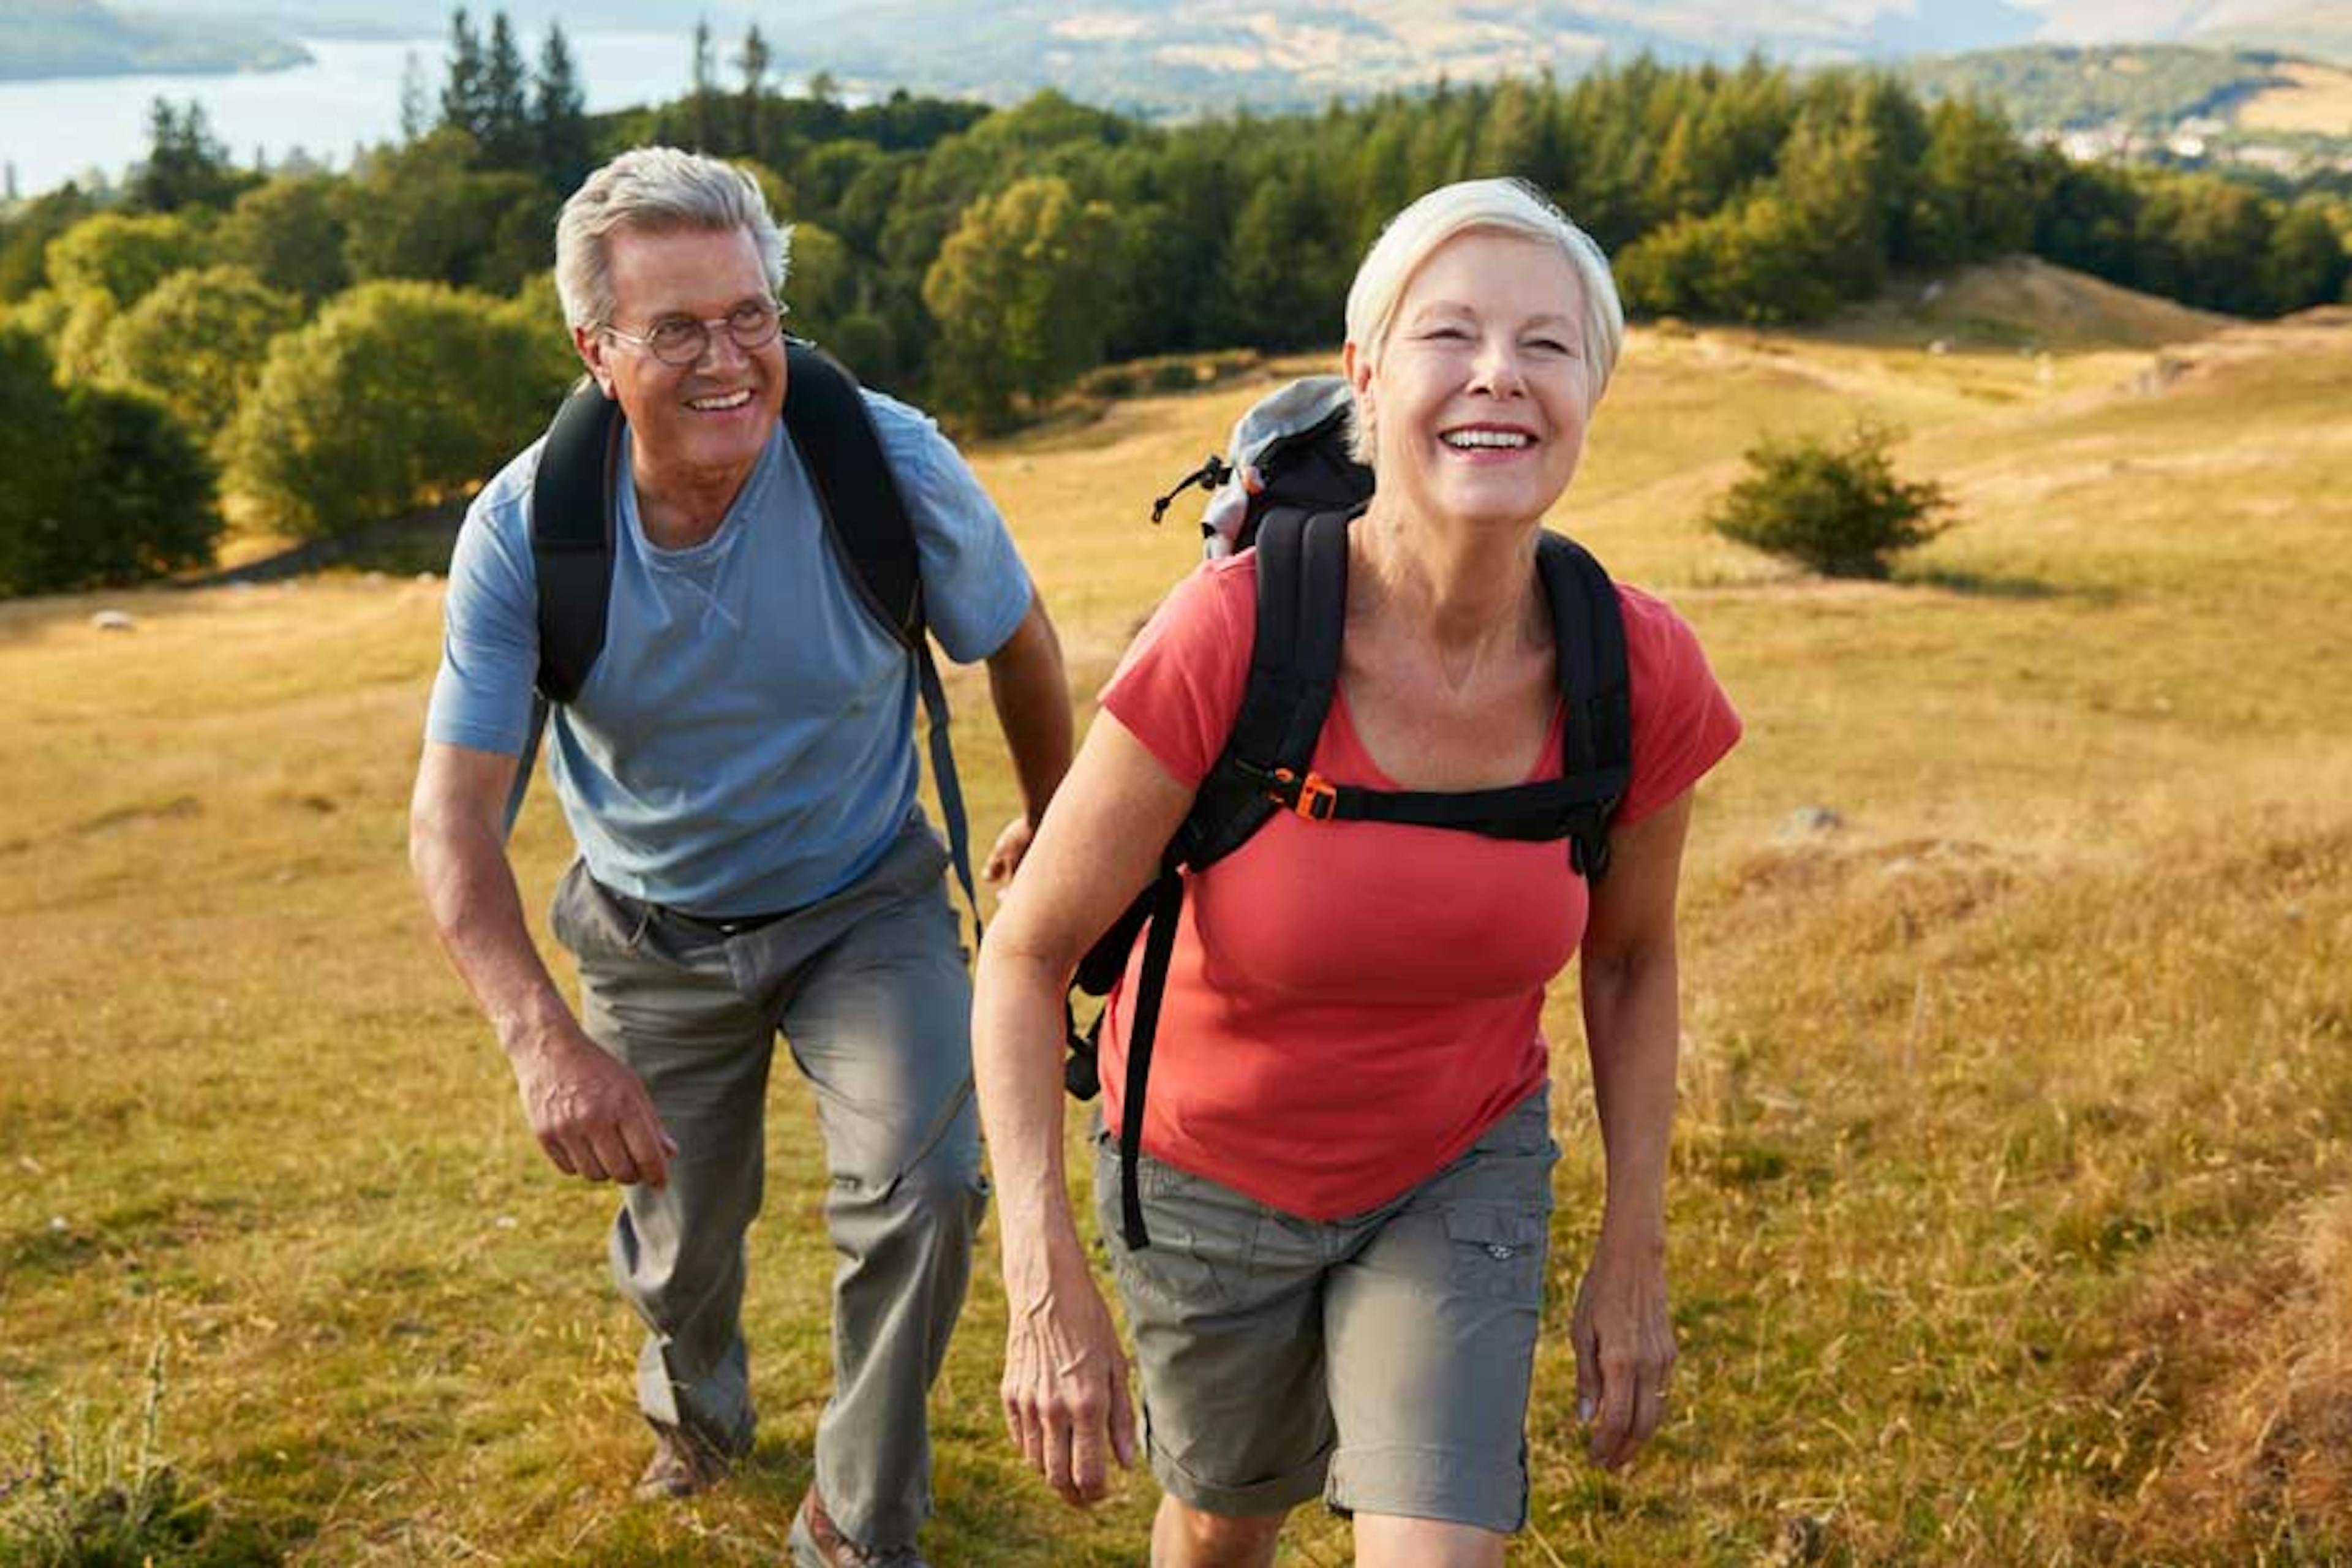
(1588, 634)
(571, 521)
(865, 516)
(867, 523)
(1302, 610)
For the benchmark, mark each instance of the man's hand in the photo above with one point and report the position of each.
(591, 1113)
(1064, 1390)
(1011, 846)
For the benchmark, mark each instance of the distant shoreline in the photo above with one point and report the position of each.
(173, 51)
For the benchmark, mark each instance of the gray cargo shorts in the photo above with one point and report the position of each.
(1381, 1362)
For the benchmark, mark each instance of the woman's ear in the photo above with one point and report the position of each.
(1356, 366)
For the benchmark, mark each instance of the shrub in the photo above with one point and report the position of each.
(1835, 507)
(93, 1494)
(397, 394)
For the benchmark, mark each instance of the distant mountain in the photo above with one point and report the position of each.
(81, 37)
(2168, 102)
(1191, 55)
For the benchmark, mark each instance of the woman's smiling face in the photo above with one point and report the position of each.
(1480, 394)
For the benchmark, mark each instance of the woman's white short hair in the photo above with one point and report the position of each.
(1505, 206)
(655, 189)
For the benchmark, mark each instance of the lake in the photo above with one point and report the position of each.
(52, 132)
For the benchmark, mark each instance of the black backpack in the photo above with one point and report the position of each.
(1289, 487)
(574, 510)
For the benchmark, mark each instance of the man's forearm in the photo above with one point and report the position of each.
(477, 909)
(1032, 693)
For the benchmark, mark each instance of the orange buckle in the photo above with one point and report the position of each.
(1315, 798)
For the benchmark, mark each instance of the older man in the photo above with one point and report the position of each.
(737, 768)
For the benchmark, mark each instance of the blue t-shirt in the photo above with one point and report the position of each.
(745, 741)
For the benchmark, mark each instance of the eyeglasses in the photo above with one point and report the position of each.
(682, 341)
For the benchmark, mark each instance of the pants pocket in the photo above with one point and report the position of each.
(1498, 1254)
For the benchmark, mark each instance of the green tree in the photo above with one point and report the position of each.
(1976, 197)
(560, 115)
(33, 432)
(291, 233)
(397, 394)
(464, 92)
(415, 102)
(506, 133)
(197, 341)
(753, 62)
(2206, 241)
(1020, 297)
(104, 486)
(26, 233)
(1837, 508)
(425, 212)
(145, 504)
(89, 314)
(186, 164)
(2306, 265)
(702, 91)
(123, 255)
(822, 286)
(1831, 177)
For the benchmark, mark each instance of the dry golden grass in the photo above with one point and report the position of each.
(2011, 1214)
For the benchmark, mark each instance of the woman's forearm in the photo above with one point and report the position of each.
(1633, 1024)
(1017, 1042)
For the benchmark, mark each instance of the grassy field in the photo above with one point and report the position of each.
(2012, 1190)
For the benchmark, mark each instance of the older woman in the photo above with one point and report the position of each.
(1345, 1157)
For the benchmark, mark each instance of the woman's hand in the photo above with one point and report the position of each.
(1065, 1388)
(1624, 1348)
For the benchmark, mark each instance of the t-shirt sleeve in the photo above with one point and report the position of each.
(1682, 721)
(489, 639)
(975, 589)
(1180, 684)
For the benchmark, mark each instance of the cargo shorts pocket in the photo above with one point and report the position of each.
(1498, 1254)
(1203, 1237)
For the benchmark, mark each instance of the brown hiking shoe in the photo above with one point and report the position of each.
(682, 1464)
(817, 1542)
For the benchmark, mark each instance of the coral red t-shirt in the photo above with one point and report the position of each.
(1351, 1004)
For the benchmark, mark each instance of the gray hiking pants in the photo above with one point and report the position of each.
(869, 990)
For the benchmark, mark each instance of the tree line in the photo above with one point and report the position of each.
(341, 347)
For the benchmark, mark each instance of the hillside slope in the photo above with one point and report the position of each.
(2013, 1107)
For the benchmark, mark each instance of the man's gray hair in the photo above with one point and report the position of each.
(655, 190)
(1505, 206)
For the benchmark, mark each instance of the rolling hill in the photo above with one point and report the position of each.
(2009, 1186)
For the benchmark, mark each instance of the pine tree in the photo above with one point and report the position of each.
(753, 62)
(702, 92)
(186, 163)
(505, 130)
(416, 105)
(462, 100)
(559, 114)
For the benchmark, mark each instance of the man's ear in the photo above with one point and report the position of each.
(589, 344)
